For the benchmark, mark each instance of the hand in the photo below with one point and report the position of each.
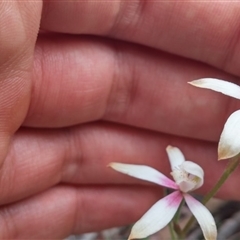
(106, 81)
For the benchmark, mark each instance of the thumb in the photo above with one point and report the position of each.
(19, 24)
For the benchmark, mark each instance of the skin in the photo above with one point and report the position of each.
(103, 82)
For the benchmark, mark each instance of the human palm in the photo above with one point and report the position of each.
(103, 82)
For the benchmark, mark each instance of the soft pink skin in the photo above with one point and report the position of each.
(82, 83)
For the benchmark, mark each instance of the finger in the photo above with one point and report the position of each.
(163, 25)
(80, 155)
(19, 24)
(64, 210)
(119, 82)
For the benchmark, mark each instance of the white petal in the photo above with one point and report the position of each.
(196, 170)
(175, 156)
(203, 216)
(188, 176)
(145, 173)
(157, 217)
(227, 88)
(229, 143)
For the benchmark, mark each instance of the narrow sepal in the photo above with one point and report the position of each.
(157, 217)
(203, 216)
(145, 173)
(175, 156)
(225, 87)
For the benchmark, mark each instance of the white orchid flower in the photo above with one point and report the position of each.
(188, 176)
(229, 143)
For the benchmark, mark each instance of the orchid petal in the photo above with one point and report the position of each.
(145, 173)
(193, 169)
(203, 216)
(229, 143)
(188, 176)
(175, 156)
(157, 217)
(227, 88)
(196, 170)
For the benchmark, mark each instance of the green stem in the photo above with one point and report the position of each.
(178, 230)
(172, 232)
(177, 215)
(174, 227)
(232, 165)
